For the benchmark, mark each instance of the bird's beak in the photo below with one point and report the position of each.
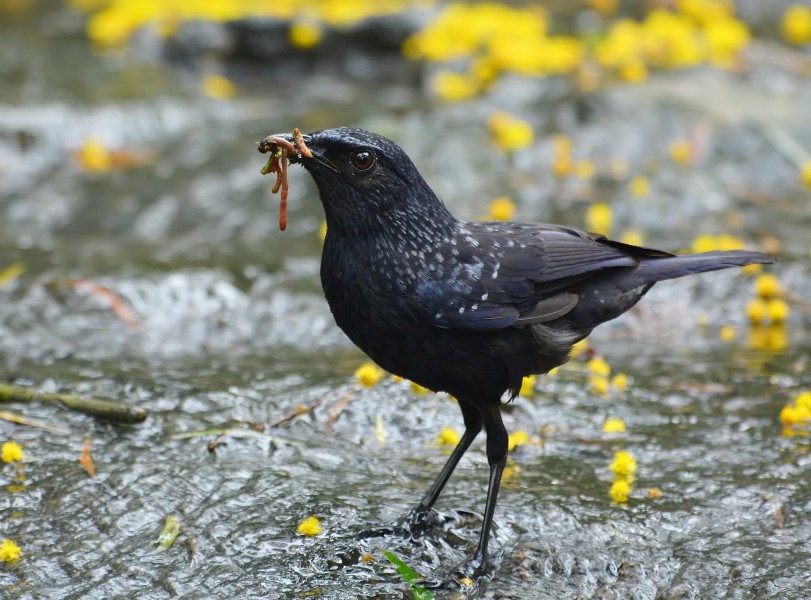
(300, 155)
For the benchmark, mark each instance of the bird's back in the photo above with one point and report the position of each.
(491, 302)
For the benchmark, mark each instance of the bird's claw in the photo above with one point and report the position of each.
(421, 520)
(416, 524)
(465, 576)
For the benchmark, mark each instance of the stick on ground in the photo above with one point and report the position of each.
(110, 410)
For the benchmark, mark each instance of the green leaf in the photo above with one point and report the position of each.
(410, 577)
(171, 529)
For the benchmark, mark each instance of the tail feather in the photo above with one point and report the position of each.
(652, 270)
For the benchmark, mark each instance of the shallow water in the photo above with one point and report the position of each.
(233, 334)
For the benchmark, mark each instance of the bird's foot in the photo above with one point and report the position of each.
(465, 576)
(416, 524)
(421, 520)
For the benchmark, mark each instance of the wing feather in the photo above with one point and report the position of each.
(508, 274)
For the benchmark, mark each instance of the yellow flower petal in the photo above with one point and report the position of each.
(510, 133)
(502, 209)
(562, 166)
(455, 87)
(11, 272)
(803, 400)
(767, 285)
(704, 243)
(791, 415)
(94, 156)
(639, 186)
(448, 437)
(304, 34)
(777, 309)
(796, 24)
(620, 490)
(12, 452)
(756, 310)
(620, 381)
(369, 374)
(624, 464)
(599, 383)
(310, 526)
(9, 551)
(599, 218)
(218, 87)
(805, 174)
(613, 425)
(727, 333)
(515, 439)
(418, 389)
(681, 153)
(527, 386)
(579, 348)
(598, 366)
(584, 169)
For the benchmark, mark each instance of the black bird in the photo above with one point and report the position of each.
(466, 308)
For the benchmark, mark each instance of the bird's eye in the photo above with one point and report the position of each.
(363, 160)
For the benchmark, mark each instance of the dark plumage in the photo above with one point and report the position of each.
(461, 307)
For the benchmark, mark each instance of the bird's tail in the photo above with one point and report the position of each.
(651, 270)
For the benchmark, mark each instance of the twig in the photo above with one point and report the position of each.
(297, 412)
(110, 410)
(798, 302)
(336, 411)
(784, 143)
(20, 420)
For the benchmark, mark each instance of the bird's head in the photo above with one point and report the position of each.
(362, 177)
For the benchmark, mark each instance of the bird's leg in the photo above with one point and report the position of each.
(497, 458)
(478, 565)
(417, 520)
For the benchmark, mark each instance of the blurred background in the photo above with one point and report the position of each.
(141, 261)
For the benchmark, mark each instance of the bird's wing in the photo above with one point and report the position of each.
(496, 275)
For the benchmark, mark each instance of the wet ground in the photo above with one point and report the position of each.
(231, 335)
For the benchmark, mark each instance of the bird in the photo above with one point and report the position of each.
(467, 308)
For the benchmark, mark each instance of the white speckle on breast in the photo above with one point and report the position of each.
(461, 310)
(484, 296)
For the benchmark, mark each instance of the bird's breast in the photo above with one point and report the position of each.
(367, 288)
